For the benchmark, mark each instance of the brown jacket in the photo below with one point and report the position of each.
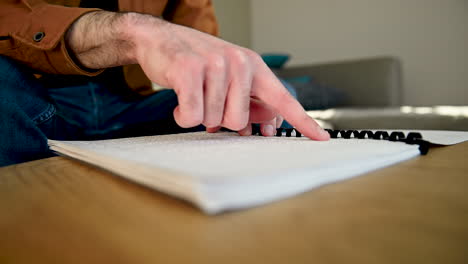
(32, 31)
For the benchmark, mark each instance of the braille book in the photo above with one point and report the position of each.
(224, 171)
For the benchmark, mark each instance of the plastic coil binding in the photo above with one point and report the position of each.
(412, 138)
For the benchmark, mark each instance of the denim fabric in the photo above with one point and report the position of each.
(23, 109)
(31, 112)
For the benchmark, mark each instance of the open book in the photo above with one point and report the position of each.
(224, 171)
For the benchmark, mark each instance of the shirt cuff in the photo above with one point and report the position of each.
(44, 35)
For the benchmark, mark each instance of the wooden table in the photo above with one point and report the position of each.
(61, 211)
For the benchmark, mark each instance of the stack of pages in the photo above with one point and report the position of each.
(224, 171)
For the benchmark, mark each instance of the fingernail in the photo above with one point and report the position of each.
(268, 130)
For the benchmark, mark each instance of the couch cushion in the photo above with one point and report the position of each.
(405, 117)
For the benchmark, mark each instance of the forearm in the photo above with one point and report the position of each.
(106, 39)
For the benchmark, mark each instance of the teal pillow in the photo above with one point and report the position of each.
(275, 60)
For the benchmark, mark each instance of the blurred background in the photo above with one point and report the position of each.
(428, 37)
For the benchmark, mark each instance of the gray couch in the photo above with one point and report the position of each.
(374, 89)
(374, 82)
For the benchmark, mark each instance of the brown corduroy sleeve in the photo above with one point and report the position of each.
(197, 14)
(32, 32)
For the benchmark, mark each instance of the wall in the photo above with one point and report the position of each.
(234, 20)
(429, 36)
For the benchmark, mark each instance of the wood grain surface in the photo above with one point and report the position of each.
(61, 211)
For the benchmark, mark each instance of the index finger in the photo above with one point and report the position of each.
(269, 89)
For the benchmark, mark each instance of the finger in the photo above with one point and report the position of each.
(260, 112)
(247, 131)
(270, 90)
(215, 92)
(213, 129)
(237, 107)
(268, 128)
(279, 121)
(189, 89)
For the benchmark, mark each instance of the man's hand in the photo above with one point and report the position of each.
(218, 84)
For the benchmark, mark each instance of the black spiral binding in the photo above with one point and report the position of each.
(412, 138)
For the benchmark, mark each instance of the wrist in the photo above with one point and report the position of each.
(101, 39)
(144, 31)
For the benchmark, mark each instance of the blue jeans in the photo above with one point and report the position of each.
(33, 110)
